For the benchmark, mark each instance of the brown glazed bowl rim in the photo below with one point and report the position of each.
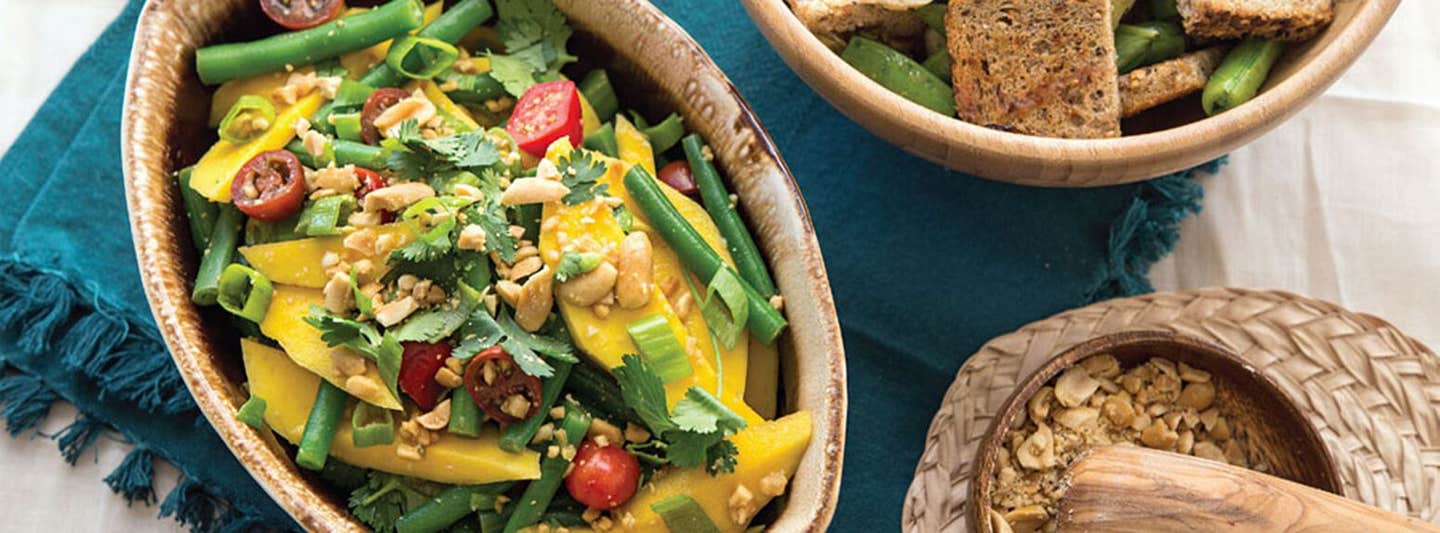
(812, 353)
(984, 465)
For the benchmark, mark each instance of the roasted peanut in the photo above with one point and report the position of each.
(536, 299)
(589, 288)
(635, 266)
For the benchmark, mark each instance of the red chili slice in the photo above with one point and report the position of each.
(271, 186)
(377, 103)
(301, 14)
(505, 380)
(418, 365)
(545, 113)
(677, 175)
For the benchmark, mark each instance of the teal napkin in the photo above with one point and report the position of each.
(926, 265)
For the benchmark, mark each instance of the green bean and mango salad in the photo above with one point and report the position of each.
(464, 294)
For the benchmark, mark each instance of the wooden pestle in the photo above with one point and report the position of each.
(1129, 488)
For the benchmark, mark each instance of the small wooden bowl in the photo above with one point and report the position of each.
(650, 59)
(1175, 143)
(1276, 428)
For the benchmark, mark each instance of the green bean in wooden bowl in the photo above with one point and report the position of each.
(1073, 93)
(467, 266)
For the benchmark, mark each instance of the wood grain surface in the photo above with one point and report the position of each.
(1127, 488)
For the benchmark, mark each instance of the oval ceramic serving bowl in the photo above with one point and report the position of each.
(647, 54)
(1301, 75)
(1277, 430)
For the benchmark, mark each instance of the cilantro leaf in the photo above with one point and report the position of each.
(479, 332)
(557, 345)
(362, 338)
(687, 449)
(384, 498)
(466, 150)
(643, 391)
(437, 323)
(720, 457)
(415, 158)
(523, 23)
(574, 264)
(581, 172)
(515, 74)
(699, 411)
(490, 216)
(362, 302)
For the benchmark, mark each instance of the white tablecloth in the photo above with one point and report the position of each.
(1341, 203)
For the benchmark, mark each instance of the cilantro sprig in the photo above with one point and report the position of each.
(695, 434)
(482, 331)
(415, 158)
(362, 338)
(581, 172)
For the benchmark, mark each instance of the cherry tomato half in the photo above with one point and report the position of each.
(301, 14)
(603, 477)
(678, 176)
(371, 181)
(377, 103)
(418, 365)
(271, 186)
(493, 388)
(545, 113)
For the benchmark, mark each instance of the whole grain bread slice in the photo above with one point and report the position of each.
(1276, 20)
(1039, 67)
(1150, 86)
(845, 16)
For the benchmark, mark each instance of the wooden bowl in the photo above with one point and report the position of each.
(1278, 431)
(647, 55)
(1301, 75)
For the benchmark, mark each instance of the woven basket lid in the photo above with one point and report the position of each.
(1372, 392)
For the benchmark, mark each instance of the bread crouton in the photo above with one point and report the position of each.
(845, 16)
(1163, 82)
(1038, 67)
(1275, 20)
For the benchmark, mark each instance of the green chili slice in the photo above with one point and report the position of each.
(665, 134)
(371, 426)
(421, 58)
(244, 292)
(250, 117)
(323, 217)
(347, 126)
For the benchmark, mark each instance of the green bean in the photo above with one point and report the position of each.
(939, 64)
(600, 93)
(727, 220)
(933, 15)
(266, 231)
(244, 292)
(1164, 10)
(320, 427)
(492, 522)
(538, 494)
(1137, 45)
(218, 255)
(603, 141)
(352, 94)
(199, 211)
(346, 153)
(346, 126)
(224, 62)
(465, 416)
(446, 508)
(516, 436)
(765, 321)
(665, 134)
(599, 392)
(1239, 77)
(474, 89)
(900, 74)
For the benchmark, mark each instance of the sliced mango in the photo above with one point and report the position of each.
(260, 85)
(634, 146)
(762, 382)
(298, 262)
(285, 322)
(606, 340)
(289, 392)
(589, 121)
(455, 116)
(775, 446)
(218, 166)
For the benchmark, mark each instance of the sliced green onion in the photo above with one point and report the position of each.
(250, 117)
(726, 315)
(323, 217)
(603, 141)
(421, 58)
(422, 218)
(683, 513)
(465, 416)
(266, 231)
(665, 134)
(652, 335)
(351, 94)
(347, 126)
(625, 218)
(362, 301)
(244, 292)
(371, 426)
(601, 95)
(252, 412)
